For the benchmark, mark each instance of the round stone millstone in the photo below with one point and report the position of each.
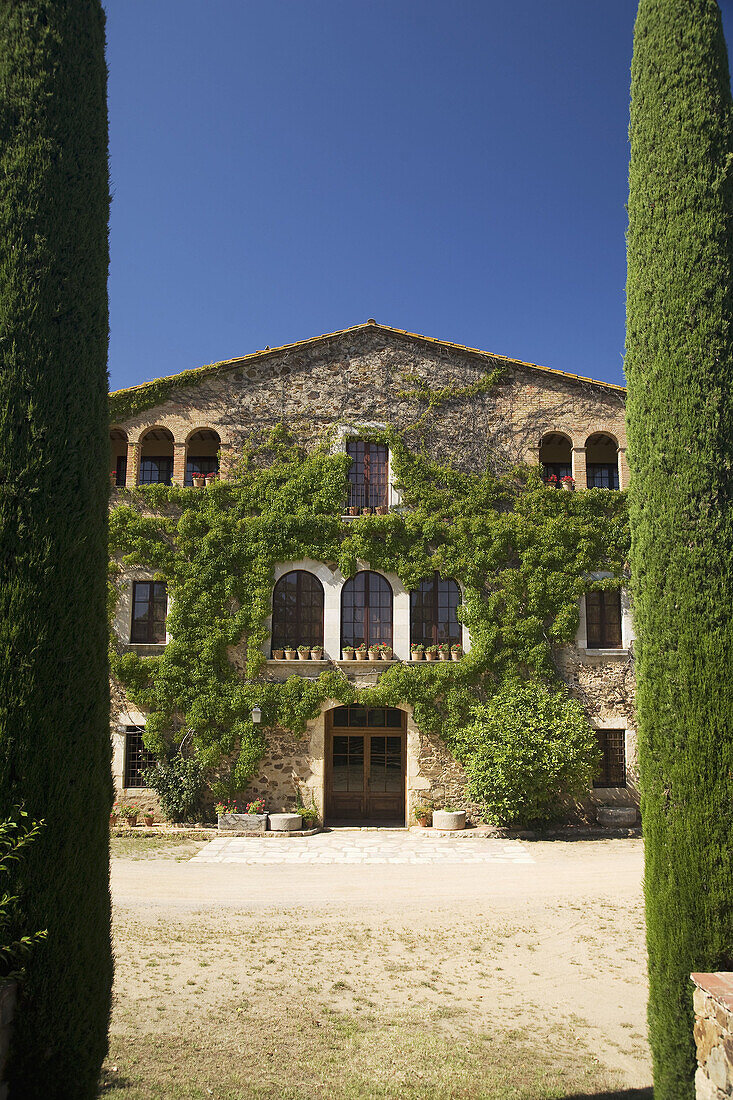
(443, 819)
(616, 817)
(285, 823)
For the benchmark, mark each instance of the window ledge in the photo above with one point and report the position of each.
(621, 652)
(145, 649)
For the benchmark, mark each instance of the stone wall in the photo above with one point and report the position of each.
(364, 376)
(713, 1004)
(369, 375)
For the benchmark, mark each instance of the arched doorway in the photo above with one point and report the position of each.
(365, 766)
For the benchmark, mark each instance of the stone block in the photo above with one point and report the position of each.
(242, 823)
(285, 823)
(720, 1071)
(707, 1035)
(443, 819)
(616, 817)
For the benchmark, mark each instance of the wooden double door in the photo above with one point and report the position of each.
(365, 766)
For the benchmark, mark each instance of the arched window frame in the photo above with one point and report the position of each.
(385, 629)
(313, 624)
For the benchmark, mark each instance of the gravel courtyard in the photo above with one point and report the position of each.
(378, 964)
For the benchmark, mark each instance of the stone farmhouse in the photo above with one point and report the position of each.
(356, 764)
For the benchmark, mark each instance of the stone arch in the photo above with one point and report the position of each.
(556, 455)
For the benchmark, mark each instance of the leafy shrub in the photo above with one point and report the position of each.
(15, 833)
(526, 749)
(178, 783)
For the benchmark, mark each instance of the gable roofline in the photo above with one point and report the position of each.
(160, 387)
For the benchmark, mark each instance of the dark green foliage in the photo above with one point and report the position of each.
(680, 413)
(54, 695)
(522, 551)
(526, 749)
(179, 783)
(16, 946)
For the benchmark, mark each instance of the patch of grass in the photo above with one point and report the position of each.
(237, 1054)
(154, 847)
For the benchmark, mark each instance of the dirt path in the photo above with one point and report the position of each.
(555, 945)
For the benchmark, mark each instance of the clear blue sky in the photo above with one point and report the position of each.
(284, 168)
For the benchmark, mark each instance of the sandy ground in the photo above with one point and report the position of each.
(555, 944)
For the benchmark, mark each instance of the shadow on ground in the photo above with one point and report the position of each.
(617, 1094)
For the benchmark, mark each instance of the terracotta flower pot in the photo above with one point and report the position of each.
(347, 656)
(430, 656)
(374, 654)
(360, 656)
(316, 655)
(304, 656)
(353, 511)
(199, 482)
(366, 511)
(291, 655)
(131, 821)
(381, 510)
(416, 656)
(278, 654)
(423, 821)
(455, 656)
(113, 819)
(386, 656)
(444, 656)
(148, 819)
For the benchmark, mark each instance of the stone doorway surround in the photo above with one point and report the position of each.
(315, 784)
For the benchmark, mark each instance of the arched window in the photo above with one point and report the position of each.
(156, 457)
(556, 456)
(366, 610)
(601, 461)
(202, 454)
(367, 474)
(433, 607)
(297, 610)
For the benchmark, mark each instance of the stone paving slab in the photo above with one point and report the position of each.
(357, 847)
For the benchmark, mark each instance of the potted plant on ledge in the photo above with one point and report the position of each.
(374, 651)
(431, 652)
(291, 653)
(444, 651)
(128, 812)
(423, 816)
(304, 652)
(456, 652)
(386, 653)
(361, 652)
(348, 652)
(416, 651)
(568, 483)
(316, 653)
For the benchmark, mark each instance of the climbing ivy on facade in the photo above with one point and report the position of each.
(523, 553)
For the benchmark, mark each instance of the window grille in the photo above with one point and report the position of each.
(156, 470)
(558, 469)
(433, 612)
(121, 471)
(602, 475)
(612, 770)
(366, 610)
(603, 619)
(149, 611)
(367, 474)
(297, 610)
(207, 464)
(137, 757)
(367, 717)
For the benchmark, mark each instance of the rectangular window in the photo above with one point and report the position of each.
(601, 475)
(367, 474)
(603, 619)
(137, 757)
(121, 471)
(612, 770)
(149, 610)
(207, 464)
(156, 470)
(556, 469)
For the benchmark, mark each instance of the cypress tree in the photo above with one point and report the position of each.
(679, 367)
(54, 485)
